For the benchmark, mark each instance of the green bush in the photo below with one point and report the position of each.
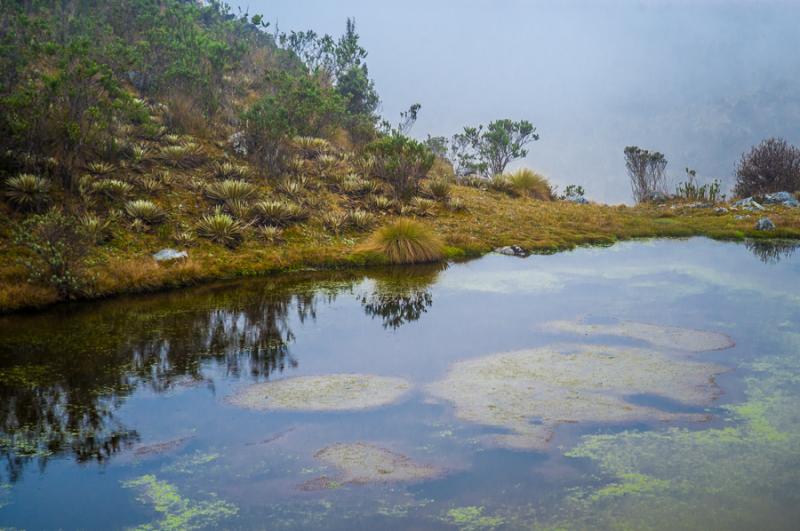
(401, 162)
(57, 248)
(28, 192)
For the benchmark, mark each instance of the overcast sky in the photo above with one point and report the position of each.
(699, 80)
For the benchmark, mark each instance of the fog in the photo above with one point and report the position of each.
(700, 81)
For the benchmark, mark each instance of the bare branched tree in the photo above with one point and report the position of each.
(647, 172)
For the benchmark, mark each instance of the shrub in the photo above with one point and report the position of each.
(228, 170)
(96, 229)
(280, 213)
(58, 248)
(646, 170)
(333, 221)
(293, 187)
(405, 241)
(187, 155)
(528, 183)
(456, 204)
(221, 228)
(772, 166)
(310, 147)
(354, 185)
(423, 207)
(379, 202)
(692, 191)
(113, 189)
(184, 238)
(401, 162)
(230, 190)
(28, 192)
(145, 211)
(101, 168)
(360, 219)
(270, 234)
(149, 185)
(239, 209)
(439, 189)
(573, 192)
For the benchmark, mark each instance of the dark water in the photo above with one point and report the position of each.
(114, 414)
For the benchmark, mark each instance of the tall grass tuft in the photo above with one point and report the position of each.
(439, 189)
(526, 182)
(28, 192)
(405, 241)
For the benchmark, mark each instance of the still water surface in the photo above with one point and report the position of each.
(118, 414)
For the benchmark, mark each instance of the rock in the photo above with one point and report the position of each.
(656, 197)
(238, 142)
(512, 250)
(166, 255)
(765, 224)
(740, 217)
(137, 79)
(748, 203)
(781, 198)
(721, 210)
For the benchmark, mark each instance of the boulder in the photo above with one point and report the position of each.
(781, 198)
(748, 203)
(721, 210)
(167, 255)
(765, 224)
(512, 250)
(238, 142)
(656, 197)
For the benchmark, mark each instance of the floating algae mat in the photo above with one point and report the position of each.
(323, 393)
(464, 398)
(530, 392)
(668, 337)
(366, 463)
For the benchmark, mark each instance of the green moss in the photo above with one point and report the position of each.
(471, 518)
(177, 512)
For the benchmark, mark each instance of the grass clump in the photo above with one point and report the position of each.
(28, 192)
(405, 241)
(112, 189)
(230, 190)
(439, 189)
(220, 227)
(228, 170)
(526, 182)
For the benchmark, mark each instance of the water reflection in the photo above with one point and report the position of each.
(772, 251)
(64, 373)
(401, 295)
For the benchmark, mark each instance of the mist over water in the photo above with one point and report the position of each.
(700, 81)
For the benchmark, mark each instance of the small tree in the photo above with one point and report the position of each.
(402, 162)
(492, 148)
(297, 105)
(58, 246)
(772, 166)
(646, 170)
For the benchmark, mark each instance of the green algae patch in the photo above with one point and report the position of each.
(471, 518)
(178, 512)
(530, 392)
(742, 476)
(334, 392)
(360, 463)
(668, 337)
(189, 464)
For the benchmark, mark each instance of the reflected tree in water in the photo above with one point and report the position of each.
(64, 373)
(401, 295)
(772, 251)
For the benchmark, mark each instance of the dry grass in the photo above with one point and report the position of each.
(405, 241)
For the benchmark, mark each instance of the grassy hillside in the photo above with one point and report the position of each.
(131, 126)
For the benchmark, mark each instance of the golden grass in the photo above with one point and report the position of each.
(405, 241)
